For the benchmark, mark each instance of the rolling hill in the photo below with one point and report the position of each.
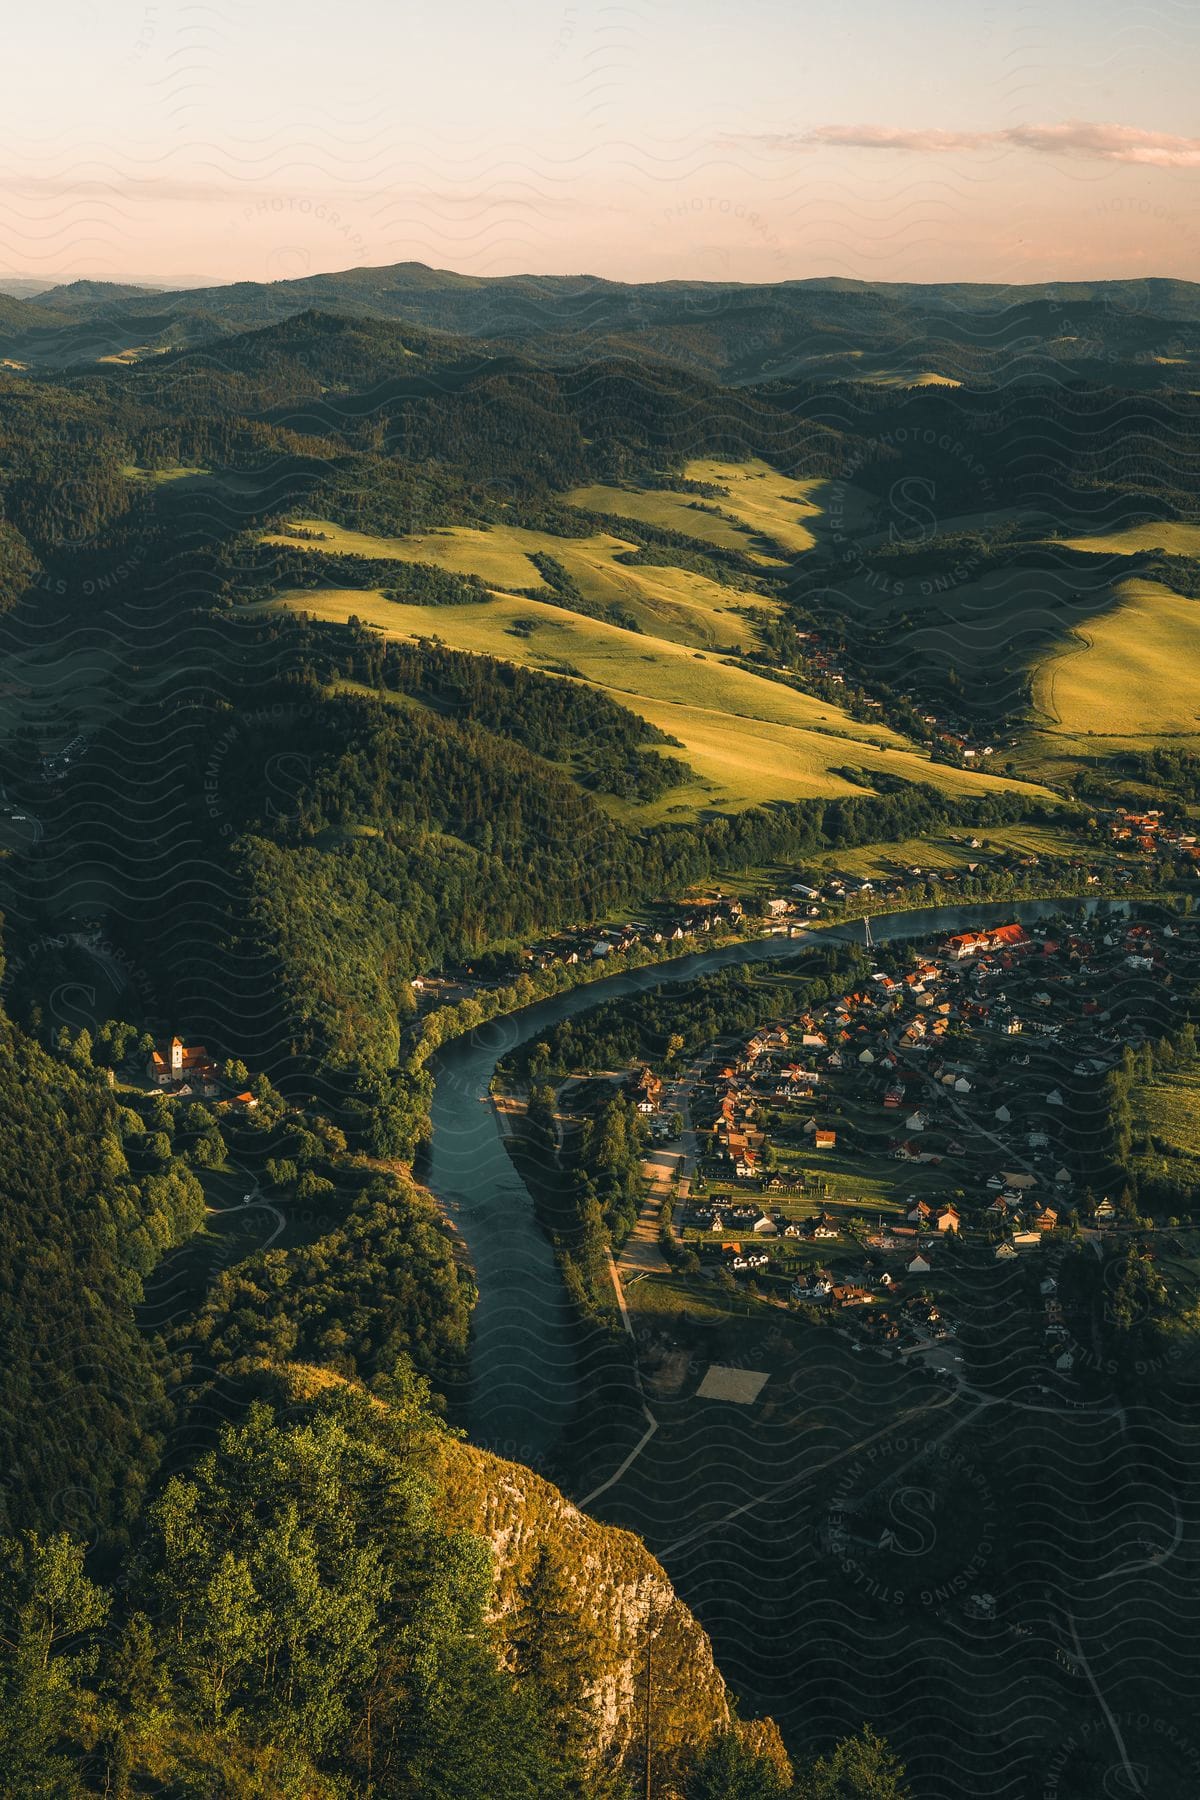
(749, 739)
(819, 329)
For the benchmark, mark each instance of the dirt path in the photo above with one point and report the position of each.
(641, 1254)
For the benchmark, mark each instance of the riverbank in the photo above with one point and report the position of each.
(525, 1382)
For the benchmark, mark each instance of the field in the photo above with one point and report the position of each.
(939, 852)
(764, 514)
(1173, 536)
(936, 853)
(134, 354)
(1168, 1107)
(902, 378)
(672, 603)
(750, 740)
(857, 365)
(1132, 675)
(688, 513)
(978, 633)
(134, 472)
(1167, 1110)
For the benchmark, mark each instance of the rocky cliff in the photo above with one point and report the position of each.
(623, 1595)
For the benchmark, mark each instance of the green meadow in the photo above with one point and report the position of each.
(1131, 675)
(750, 740)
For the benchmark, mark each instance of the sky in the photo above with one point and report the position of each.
(720, 140)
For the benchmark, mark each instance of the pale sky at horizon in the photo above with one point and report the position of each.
(908, 141)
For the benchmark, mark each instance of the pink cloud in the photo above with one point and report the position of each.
(1110, 143)
(1075, 137)
(885, 137)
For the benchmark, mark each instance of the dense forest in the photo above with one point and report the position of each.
(230, 1564)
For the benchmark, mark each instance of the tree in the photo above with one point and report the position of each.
(157, 1147)
(224, 1637)
(728, 1769)
(208, 1150)
(162, 1114)
(861, 1768)
(48, 1612)
(312, 1186)
(113, 1041)
(554, 1651)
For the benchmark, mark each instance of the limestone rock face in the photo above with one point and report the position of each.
(619, 1587)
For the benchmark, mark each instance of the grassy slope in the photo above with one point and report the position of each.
(1167, 1108)
(764, 514)
(990, 626)
(157, 476)
(1133, 674)
(1174, 536)
(670, 602)
(749, 739)
(691, 514)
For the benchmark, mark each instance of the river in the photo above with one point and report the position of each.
(524, 1381)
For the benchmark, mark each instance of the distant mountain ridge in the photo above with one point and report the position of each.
(91, 293)
(825, 328)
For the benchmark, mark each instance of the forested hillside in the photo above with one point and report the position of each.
(252, 1560)
(89, 1208)
(740, 332)
(364, 638)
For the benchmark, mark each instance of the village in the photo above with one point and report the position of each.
(859, 1160)
(1124, 851)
